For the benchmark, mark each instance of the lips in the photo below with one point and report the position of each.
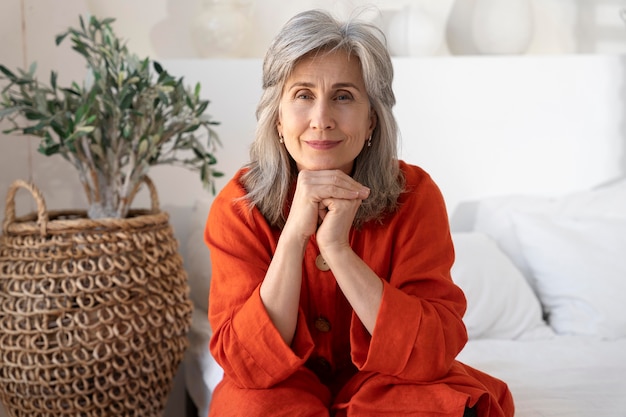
(323, 144)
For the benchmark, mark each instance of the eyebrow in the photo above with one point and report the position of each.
(334, 86)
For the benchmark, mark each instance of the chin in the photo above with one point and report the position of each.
(326, 165)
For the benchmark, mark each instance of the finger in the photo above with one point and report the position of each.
(333, 184)
(322, 211)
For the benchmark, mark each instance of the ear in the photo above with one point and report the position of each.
(279, 127)
(373, 121)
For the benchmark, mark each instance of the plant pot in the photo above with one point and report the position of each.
(94, 314)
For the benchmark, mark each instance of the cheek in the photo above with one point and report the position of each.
(293, 119)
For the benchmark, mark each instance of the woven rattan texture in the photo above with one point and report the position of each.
(93, 315)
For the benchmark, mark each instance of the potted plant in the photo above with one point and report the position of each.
(96, 303)
(123, 119)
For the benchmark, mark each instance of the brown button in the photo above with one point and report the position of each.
(321, 367)
(322, 324)
(321, 264)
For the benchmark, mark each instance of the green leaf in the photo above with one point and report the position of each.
(49, 150)
(7, 111)
(191, 128)
(127, 101)
(81, 49)
(21, 81)
(202, 107)
(71, 91)
(11, 130)
(157, 67)
(34, 130)
(198, 153)
(60, 38)
(70, 143)
(203, 173)
(6, 72)
(53, 80)
(58, 129)
(82, 22)
(32, 115)
(164, 98)
(211, 159)
(79, 114)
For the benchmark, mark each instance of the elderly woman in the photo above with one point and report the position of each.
(331, 291)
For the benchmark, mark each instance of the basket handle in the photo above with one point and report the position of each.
(9, 213)
(42, 211)
(155, 206)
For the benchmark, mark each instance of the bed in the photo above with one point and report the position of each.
(556, 335)
(537, 207)
(544, 280)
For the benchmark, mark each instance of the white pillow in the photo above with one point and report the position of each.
(579, 264)
(500, 303)
(198, 257)
(493, 215)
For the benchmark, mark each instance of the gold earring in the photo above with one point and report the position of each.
(281, 139)
(369, 141)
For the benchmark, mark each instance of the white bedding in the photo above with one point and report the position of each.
(563, 376)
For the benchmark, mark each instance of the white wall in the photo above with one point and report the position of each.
(480, 125)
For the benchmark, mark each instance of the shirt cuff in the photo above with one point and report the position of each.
(264, 349)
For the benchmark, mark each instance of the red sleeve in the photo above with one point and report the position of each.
(245, 342)
(419, 329)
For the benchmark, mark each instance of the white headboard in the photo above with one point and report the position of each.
(486, 126)
(481, 126)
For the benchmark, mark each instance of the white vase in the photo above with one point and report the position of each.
(502, 26)
(459, 34)
(490, 27)
(220, 29)
(413, 31)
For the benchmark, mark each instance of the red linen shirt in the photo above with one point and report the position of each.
(419, 329)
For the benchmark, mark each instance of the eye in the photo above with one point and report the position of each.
(343, 96)
(303, 94)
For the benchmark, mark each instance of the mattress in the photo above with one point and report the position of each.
(560, 376)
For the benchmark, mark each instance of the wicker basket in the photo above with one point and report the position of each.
(94, 314)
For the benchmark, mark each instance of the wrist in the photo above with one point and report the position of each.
(336, 253)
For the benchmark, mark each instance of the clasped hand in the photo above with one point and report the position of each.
(325, 203)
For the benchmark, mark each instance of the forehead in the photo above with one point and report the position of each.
(328, 64)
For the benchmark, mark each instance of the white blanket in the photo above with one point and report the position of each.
(561, 376)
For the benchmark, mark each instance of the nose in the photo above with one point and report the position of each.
(322, 116)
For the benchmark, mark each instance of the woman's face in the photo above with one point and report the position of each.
(325, 116)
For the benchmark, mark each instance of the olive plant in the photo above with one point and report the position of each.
(127, 115)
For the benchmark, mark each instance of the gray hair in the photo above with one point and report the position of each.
(271, 171)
